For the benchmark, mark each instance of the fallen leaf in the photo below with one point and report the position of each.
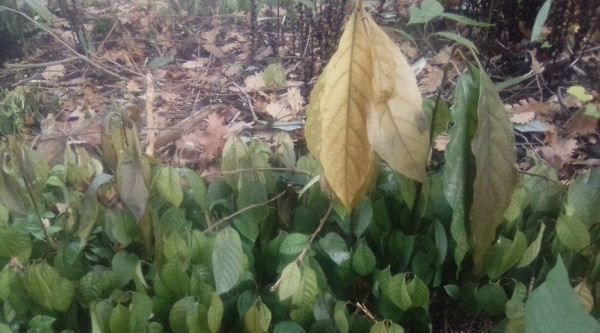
(522, 117)
(54, 72)
(432, 80)
(557, 151)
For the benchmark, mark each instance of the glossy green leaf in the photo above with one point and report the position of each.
(168, 185)
(460, 162)
(555, 307)
(258, 318)
(583, 198)
(572, 233)
(293, 244)
(227, 260)
(495, 157)
(289, 281)
(363, 259)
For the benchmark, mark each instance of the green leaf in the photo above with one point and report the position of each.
(340, 316)
(197, 186)
(583, 198)
(175, 248)
(362, 216)
(215, 313)
(179, 311)
(168, 185)
(160, 62)
(540, 20)
(572, 233)
(555, 307)
(253, 194)
(492, 298)
(460, 162)
(100, 313)
(386, 326)
(175, 278)
(119, 319)
(397, 292)
(363, 259)
(466, 20)
(123, 265)
(12, 196)
(579, 93)
(289, 281)
(308, 289)
(274, 75)
(47, 288)
(429, 10)
(542, 189)
(258, 319)
(288, 326)
(284, 150)
(504, 255)
(591, 110)
(41, 323)
(418, 291)
(456, 38)
(227, 260)
(496, 176)
(293, 244)
(15, 243)
(533, 250)
(335, 247)
(141, 311)
(40, 9)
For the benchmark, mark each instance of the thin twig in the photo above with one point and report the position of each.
(366, 311)
(42, 64)
(249, 103)
(241, 211)
(77, 54)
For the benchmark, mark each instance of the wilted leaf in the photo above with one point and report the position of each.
(460, 162)
(396, 124)
(495, 155)
(336, 130)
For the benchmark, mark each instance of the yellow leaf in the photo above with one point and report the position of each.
(396, 124)
(338, 135)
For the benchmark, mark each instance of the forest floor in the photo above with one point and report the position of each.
(191, 81)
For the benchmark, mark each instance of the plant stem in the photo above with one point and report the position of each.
(49, 239)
